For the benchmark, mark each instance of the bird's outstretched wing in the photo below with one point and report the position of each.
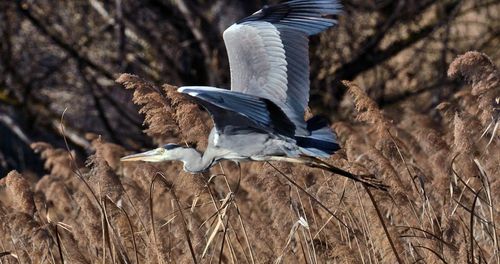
(269, 57)
(237, 111)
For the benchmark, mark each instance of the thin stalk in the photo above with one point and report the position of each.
(381, 218)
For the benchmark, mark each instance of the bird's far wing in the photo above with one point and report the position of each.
(269, 53)
(239, 110)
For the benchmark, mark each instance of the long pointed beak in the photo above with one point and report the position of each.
(151, 155)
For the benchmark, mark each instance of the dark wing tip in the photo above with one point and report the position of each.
(317, 122)
(310, 17)
(279, 120)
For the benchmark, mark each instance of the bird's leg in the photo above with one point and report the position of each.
(368, 180)
(284, 159)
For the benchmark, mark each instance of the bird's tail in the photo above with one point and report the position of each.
(322, 142)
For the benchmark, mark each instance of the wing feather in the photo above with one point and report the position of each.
(259, 113)
(269, 53)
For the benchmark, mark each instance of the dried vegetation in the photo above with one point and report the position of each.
(442, 205)
(431, 135)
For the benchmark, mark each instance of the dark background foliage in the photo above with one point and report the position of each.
(416, 115)
(65, 55)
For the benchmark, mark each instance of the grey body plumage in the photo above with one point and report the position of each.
(262, 117)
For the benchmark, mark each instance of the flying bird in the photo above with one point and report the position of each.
(262, 117)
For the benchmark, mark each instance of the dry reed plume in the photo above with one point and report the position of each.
(442, 205)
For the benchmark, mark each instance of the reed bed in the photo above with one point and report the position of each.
(442, 205)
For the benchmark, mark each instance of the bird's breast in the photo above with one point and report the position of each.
(216, 138)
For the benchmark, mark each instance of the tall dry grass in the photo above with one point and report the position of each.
(442, 206)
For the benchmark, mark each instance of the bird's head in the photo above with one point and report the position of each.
(164, 153)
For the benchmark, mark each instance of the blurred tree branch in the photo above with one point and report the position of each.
(373, 55)
(75, 54)
(55, 54)
(69, 48)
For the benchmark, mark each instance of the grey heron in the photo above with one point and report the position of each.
(262, 117)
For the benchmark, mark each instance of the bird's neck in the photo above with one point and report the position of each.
(194, 161)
